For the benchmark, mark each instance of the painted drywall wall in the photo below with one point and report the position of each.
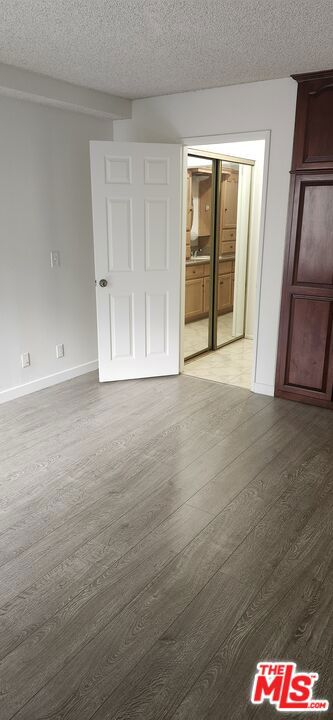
(45, 204)
(263, 106)
(254, 240)
(27, 85)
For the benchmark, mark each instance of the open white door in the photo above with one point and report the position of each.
(137, 199)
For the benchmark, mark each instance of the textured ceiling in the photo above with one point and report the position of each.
(139, 48)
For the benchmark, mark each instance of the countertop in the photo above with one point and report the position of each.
(205, 261)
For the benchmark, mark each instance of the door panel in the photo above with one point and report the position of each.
(119, 234)
(157, 234)
(136, 197)
(121, 324)
(157, 323)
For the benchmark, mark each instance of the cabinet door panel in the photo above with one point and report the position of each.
(314, 243)
(313, 142)
(193, 298)
(205, 207)
(224, 293)
(319, 142)
(229, 200)
(309, 343)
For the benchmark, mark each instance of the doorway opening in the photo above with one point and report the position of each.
(224, 190)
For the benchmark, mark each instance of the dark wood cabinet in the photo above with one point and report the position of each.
(313, 141)
(305, 350)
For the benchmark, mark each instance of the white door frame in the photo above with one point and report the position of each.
(215, 140)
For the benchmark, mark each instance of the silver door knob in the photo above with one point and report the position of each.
(103, 282)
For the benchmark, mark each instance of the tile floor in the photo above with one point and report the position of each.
(231, 364)
(196, 333)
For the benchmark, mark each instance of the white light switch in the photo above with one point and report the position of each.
(25, 360)
(60, 351)
(55, 258)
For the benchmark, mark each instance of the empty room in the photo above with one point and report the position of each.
(166, 366)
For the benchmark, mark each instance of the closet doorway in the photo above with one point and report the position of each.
(217, 232)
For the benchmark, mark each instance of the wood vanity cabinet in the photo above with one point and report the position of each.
(197, 289)
(194, 299)
(305, 349)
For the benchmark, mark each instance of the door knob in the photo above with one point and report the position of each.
(103, 282)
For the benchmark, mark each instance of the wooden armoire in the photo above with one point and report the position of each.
(305, 348)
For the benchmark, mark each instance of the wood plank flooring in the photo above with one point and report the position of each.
(158, 538)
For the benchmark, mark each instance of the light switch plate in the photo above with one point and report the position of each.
(55, 258)
(60, 351)
(25, 359)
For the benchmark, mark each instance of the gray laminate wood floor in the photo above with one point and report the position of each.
(159, 538)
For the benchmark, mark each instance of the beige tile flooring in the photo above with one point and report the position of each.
(196, 333)
(231, 364)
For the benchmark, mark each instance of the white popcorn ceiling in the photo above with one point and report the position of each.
(140, 48)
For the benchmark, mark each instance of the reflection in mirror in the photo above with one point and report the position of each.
(198, 255)
(233, 242)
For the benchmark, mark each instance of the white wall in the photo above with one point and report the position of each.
(254, 240)
(260, 106)
(45, 204)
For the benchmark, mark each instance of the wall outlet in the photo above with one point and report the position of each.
(55, 258)
(25, 360)
(60, 351)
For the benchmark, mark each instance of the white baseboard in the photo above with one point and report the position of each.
(263, 389)
(47, 381)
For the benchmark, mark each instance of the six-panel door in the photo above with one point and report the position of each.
(136, 197)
